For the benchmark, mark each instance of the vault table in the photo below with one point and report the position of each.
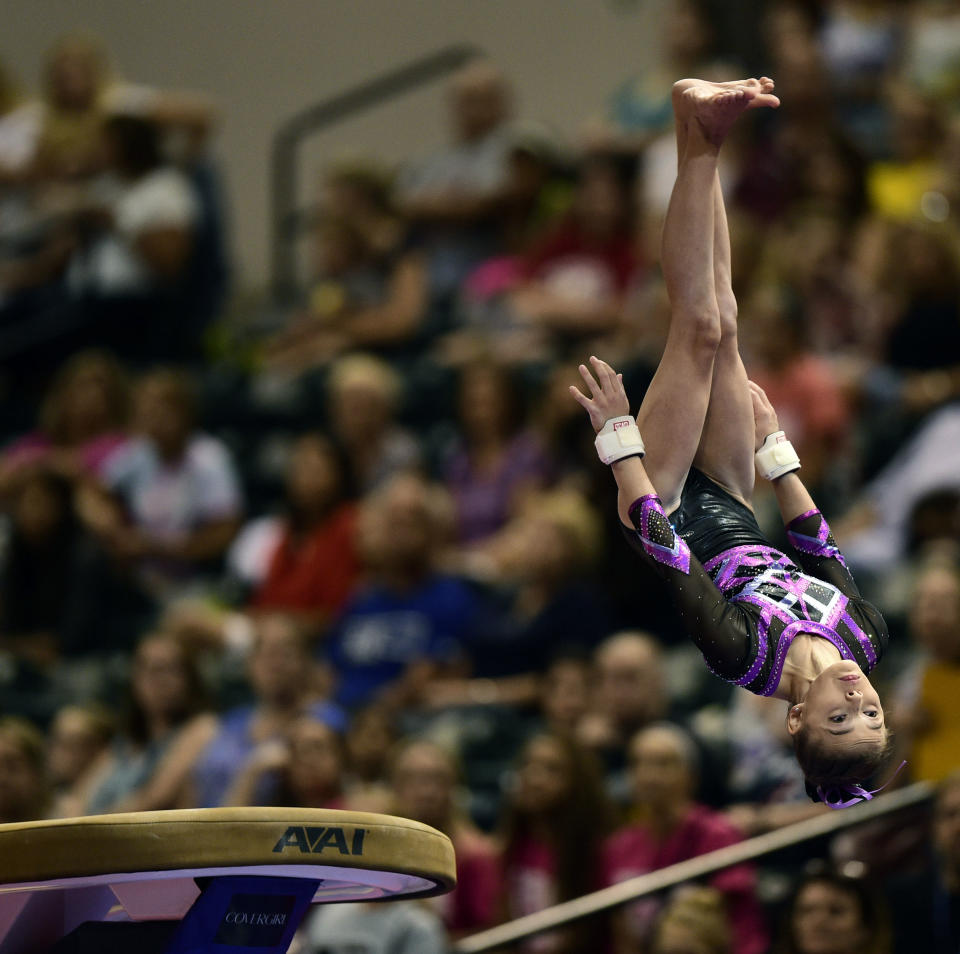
(203, 881)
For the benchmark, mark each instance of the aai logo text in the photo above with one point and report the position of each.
(314, 841)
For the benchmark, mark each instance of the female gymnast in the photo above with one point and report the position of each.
(797, 630)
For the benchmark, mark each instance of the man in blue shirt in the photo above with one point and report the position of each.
(408, 623)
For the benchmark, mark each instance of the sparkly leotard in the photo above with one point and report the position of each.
(745, 605)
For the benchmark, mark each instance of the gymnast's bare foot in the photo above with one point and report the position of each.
(763, 87)
(716, 106)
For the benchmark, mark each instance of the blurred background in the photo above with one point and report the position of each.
(295, 507)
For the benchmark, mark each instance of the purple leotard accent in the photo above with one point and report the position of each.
(726, 568)
(770, 581)
(869, 650)
(820, 545)
(671, 550)
(744, 607)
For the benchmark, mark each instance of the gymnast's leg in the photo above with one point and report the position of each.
(675, 408)
(727, 443)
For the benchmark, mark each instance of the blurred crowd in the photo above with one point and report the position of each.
(359, 553)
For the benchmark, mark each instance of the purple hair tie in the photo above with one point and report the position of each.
(845, 796)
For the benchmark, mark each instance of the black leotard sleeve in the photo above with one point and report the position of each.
(723, 631)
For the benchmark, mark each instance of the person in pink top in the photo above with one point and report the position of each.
(82, 422)
(668, 826)
(552, 834)
(424, 777)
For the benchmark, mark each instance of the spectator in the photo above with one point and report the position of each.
(538, 186)
(305, 769)
(425, 779)
(930, 61)
(129, 271)
(409, 624)
(896, 186)
(361, 191)
(24, 788)
(372, 735)
(76, 78)
(538, 193)
(35, 250)
(861, 44)
(82, 98)
(363, 394)
(575, 282)
(569, 281)
(640, 109)
(453, 195)
(876, 530)
(167, 725)
(669, 827)
(831, 913)
(859, 41)
(498, 459)
(544, 559)
(19, 129)
(831, 181)
(82, 423)
(35, 240)
(923, 334)
(361, 296)
(694, 922)
(811, 251)
(45, 575)
(78, 745)
(772, 172)
(286, 686)
(80, 90)
(950, 162)
(303, 564)
(403, 927)
(925, 905)
(927, 690)
(565, 692)
(554, 824)
(169, 501)
(629, 693)
(314, 567)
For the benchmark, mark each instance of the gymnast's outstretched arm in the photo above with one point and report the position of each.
(807, 530)
(723, 631)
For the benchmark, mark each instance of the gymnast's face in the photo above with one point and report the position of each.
(841, 708)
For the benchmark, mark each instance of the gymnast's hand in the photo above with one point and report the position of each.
(765, 420)
(607, 396)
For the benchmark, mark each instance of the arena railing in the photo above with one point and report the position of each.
(626, 891)
(288, 220)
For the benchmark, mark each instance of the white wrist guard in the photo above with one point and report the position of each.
(619, 438)
(776, 456)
